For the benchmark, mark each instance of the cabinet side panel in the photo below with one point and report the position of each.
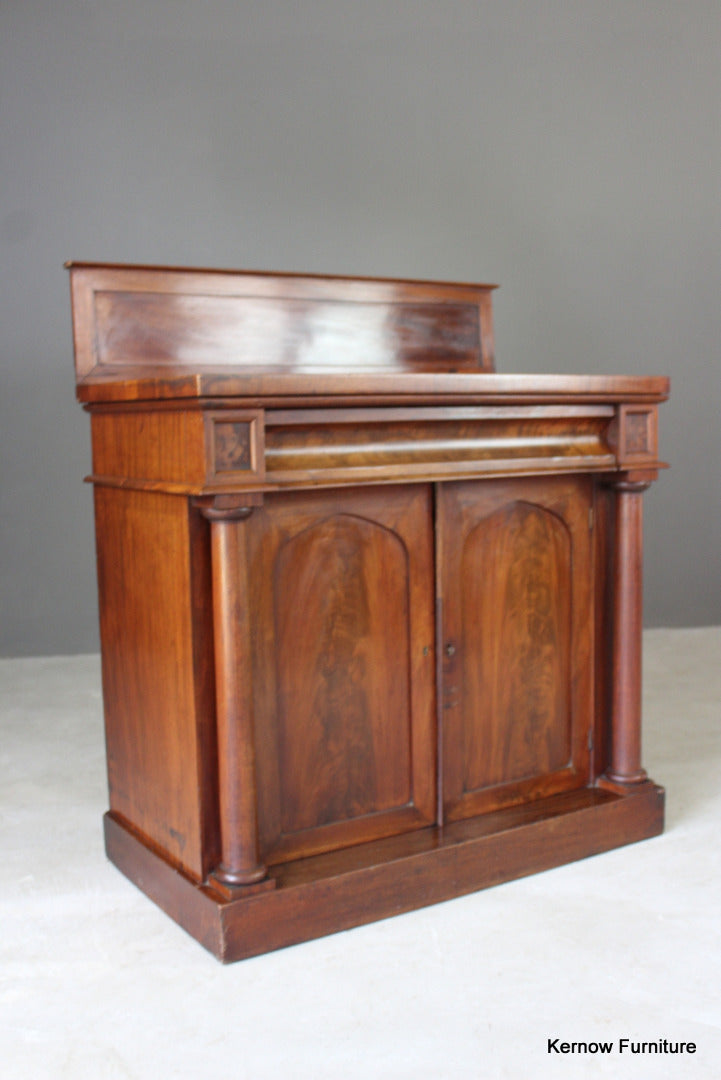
(150, 658)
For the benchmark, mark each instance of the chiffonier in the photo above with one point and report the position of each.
(370, 612)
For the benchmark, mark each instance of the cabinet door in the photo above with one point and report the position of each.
(515, 583)
(343, 667)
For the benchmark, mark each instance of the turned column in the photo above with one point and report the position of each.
(625, 758)
(240, 863)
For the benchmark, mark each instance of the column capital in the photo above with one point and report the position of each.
(228, 507)
(627, 484)
(634, 481)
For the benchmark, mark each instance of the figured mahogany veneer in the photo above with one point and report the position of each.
(370, 612)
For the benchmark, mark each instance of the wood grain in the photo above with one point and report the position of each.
(251, 388)
(240, 863)
(341, 613)
(344, 889)
(132, 316)
(517, 687)
(516, 633)
(156, 642)
(625, 752)
(343, 595)
(379, 448)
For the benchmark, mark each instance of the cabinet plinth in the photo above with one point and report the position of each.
(370, 612)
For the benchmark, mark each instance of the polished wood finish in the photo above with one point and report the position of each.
(342, 591)
(129, 317)
(309, 389)
(157, 663)
(625, 764)
(237, 795)
(370, 612)
(358, 885)
(516, 629)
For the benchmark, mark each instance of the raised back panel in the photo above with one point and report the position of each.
(145, 320)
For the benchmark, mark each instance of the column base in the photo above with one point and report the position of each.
(235, 892)
(623, 785)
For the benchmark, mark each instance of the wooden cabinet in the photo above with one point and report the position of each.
(370, 612)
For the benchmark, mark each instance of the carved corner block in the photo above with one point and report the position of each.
(633, 435)
(235, 447)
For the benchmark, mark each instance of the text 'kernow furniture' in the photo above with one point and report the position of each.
(370, 613)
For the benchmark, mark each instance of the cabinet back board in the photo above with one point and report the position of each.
(134, 318)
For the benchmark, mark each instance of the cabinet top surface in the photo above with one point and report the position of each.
(157, 334)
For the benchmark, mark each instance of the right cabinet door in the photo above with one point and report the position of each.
(515, 584)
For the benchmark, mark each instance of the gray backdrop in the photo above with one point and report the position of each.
(568, 150)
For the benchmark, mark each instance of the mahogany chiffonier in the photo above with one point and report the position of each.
(370, 612)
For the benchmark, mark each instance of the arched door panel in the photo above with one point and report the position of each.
(343, 668)
(516, 697)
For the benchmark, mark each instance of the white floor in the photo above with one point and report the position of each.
(96, 982)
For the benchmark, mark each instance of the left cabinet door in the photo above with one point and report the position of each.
(342, 593)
